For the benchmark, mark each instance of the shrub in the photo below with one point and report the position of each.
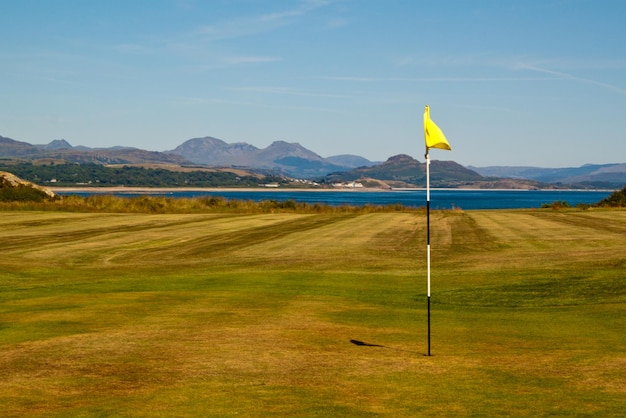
(161, 204)
(557, 204)
(615, 200)
(22, 193)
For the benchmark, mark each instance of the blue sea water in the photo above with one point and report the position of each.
(439, 198)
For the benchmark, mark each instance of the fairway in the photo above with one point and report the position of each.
(312, 314)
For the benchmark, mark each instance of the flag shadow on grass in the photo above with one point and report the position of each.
(364, 344)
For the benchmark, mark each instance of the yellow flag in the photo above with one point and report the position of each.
(432, 134)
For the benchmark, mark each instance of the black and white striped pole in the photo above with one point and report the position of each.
(428, 238)
(434, 138)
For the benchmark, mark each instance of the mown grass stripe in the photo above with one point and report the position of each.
(252, 314)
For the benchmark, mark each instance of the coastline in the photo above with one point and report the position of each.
(133, 189)
(147, 190)
(466, 199)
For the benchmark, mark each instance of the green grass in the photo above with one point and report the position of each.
(252, 314)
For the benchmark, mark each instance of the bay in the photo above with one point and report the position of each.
(439, 199)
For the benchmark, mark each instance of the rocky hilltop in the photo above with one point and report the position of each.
(12, 185)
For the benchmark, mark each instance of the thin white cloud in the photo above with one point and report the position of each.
(208, 101)
(201, 101)
(444, 60)
(196, 44)
(287, 91)
(567, 76)
(338, 22)
(191, 49)
(487, 108)
(431, 79)
(132, 48)
(248, 59)
(215, 62)
(251, 25)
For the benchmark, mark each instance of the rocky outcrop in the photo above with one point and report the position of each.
(9, 180)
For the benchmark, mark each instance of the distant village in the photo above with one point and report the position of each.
(337, 185)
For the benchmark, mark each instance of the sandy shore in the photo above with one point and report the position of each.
(122, 189)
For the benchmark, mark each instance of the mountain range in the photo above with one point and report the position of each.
(289, 158)
(599, 174)
(294, 160)
(60, 149)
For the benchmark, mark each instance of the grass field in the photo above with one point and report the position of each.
(222, 314)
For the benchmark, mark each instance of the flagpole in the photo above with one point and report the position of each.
(434, 138)
(428, 238)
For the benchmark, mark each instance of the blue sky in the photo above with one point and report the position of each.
(539, 83)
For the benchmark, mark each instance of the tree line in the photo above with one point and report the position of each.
(99, 175)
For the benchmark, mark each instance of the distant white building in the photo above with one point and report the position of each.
(351, 185)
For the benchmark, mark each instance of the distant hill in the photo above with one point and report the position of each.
(405, 171)
(151, 175)
(12, 148)
(588, 175)
(64, 151)
(351, 161)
